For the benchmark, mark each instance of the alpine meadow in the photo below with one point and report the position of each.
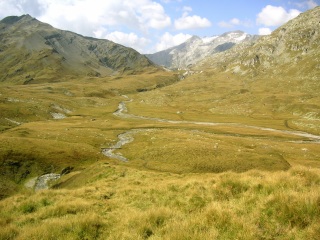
(211, 139)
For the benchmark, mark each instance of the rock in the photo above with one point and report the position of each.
(195, 49)
(43, 181)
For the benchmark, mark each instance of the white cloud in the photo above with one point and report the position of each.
(187, 9)
(129, 40)
(153, 15)
(234, 22)
(231, 23)
(225, 24)
(265, 31)
(275, 16)
(7, 8)
(97, 18)
(305, 4)
(169, 1)
(167, 40)
(311, 4)
(86, 16)
(191, 22)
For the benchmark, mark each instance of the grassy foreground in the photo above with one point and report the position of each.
(182, 181)
(109, 201)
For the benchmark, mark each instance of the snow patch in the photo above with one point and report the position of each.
(209, 39)
(241, 38)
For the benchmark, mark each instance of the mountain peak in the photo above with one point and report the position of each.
(40, 52)
(14, 19)
(195, 49)
(193, 38)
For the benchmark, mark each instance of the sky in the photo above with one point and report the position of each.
(153, 25)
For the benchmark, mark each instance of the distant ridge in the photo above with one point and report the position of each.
(291, 50)
(32, 51)
(196, 49)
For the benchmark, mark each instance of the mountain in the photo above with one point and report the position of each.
(196, 49)
(291, 50)
(32, 51)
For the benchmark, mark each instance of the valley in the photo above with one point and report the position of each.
(228, 149)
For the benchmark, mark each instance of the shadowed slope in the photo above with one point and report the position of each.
(32, 51)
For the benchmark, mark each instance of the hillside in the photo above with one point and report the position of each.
(274, 79)
(32, 51)
(48, 76)
(291, 50)
(196, 49)
(228, 149)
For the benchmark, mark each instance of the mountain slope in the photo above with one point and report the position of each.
(292, 49)
(271, 82)
(196, 49)
(32, 51)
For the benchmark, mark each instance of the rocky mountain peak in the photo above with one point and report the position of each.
(196, 48)
(193, 39)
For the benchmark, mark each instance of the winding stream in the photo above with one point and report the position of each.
(126, 137)
(42, 182)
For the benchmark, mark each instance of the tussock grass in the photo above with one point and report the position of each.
(33, 143)
(267, 101)
(181, 151)
(182, 181)
(128, 203)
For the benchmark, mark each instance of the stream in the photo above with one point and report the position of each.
(126, 137)
(42, 182)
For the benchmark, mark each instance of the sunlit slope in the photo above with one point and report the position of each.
(107, 201)
(47, 127)
(273, 82)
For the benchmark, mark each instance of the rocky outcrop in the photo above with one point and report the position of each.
(195, 49)
(42, 182)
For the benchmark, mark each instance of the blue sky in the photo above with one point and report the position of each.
(153, 25)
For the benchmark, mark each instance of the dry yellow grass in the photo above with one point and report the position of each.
(118, 202)
(182, 181)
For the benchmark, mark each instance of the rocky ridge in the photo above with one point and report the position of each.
(196, 49)
(292, 49)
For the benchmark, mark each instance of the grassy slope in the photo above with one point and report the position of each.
(107, 201)
(146, 198)
(41, 144)
(114, 200)
(270, 101)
